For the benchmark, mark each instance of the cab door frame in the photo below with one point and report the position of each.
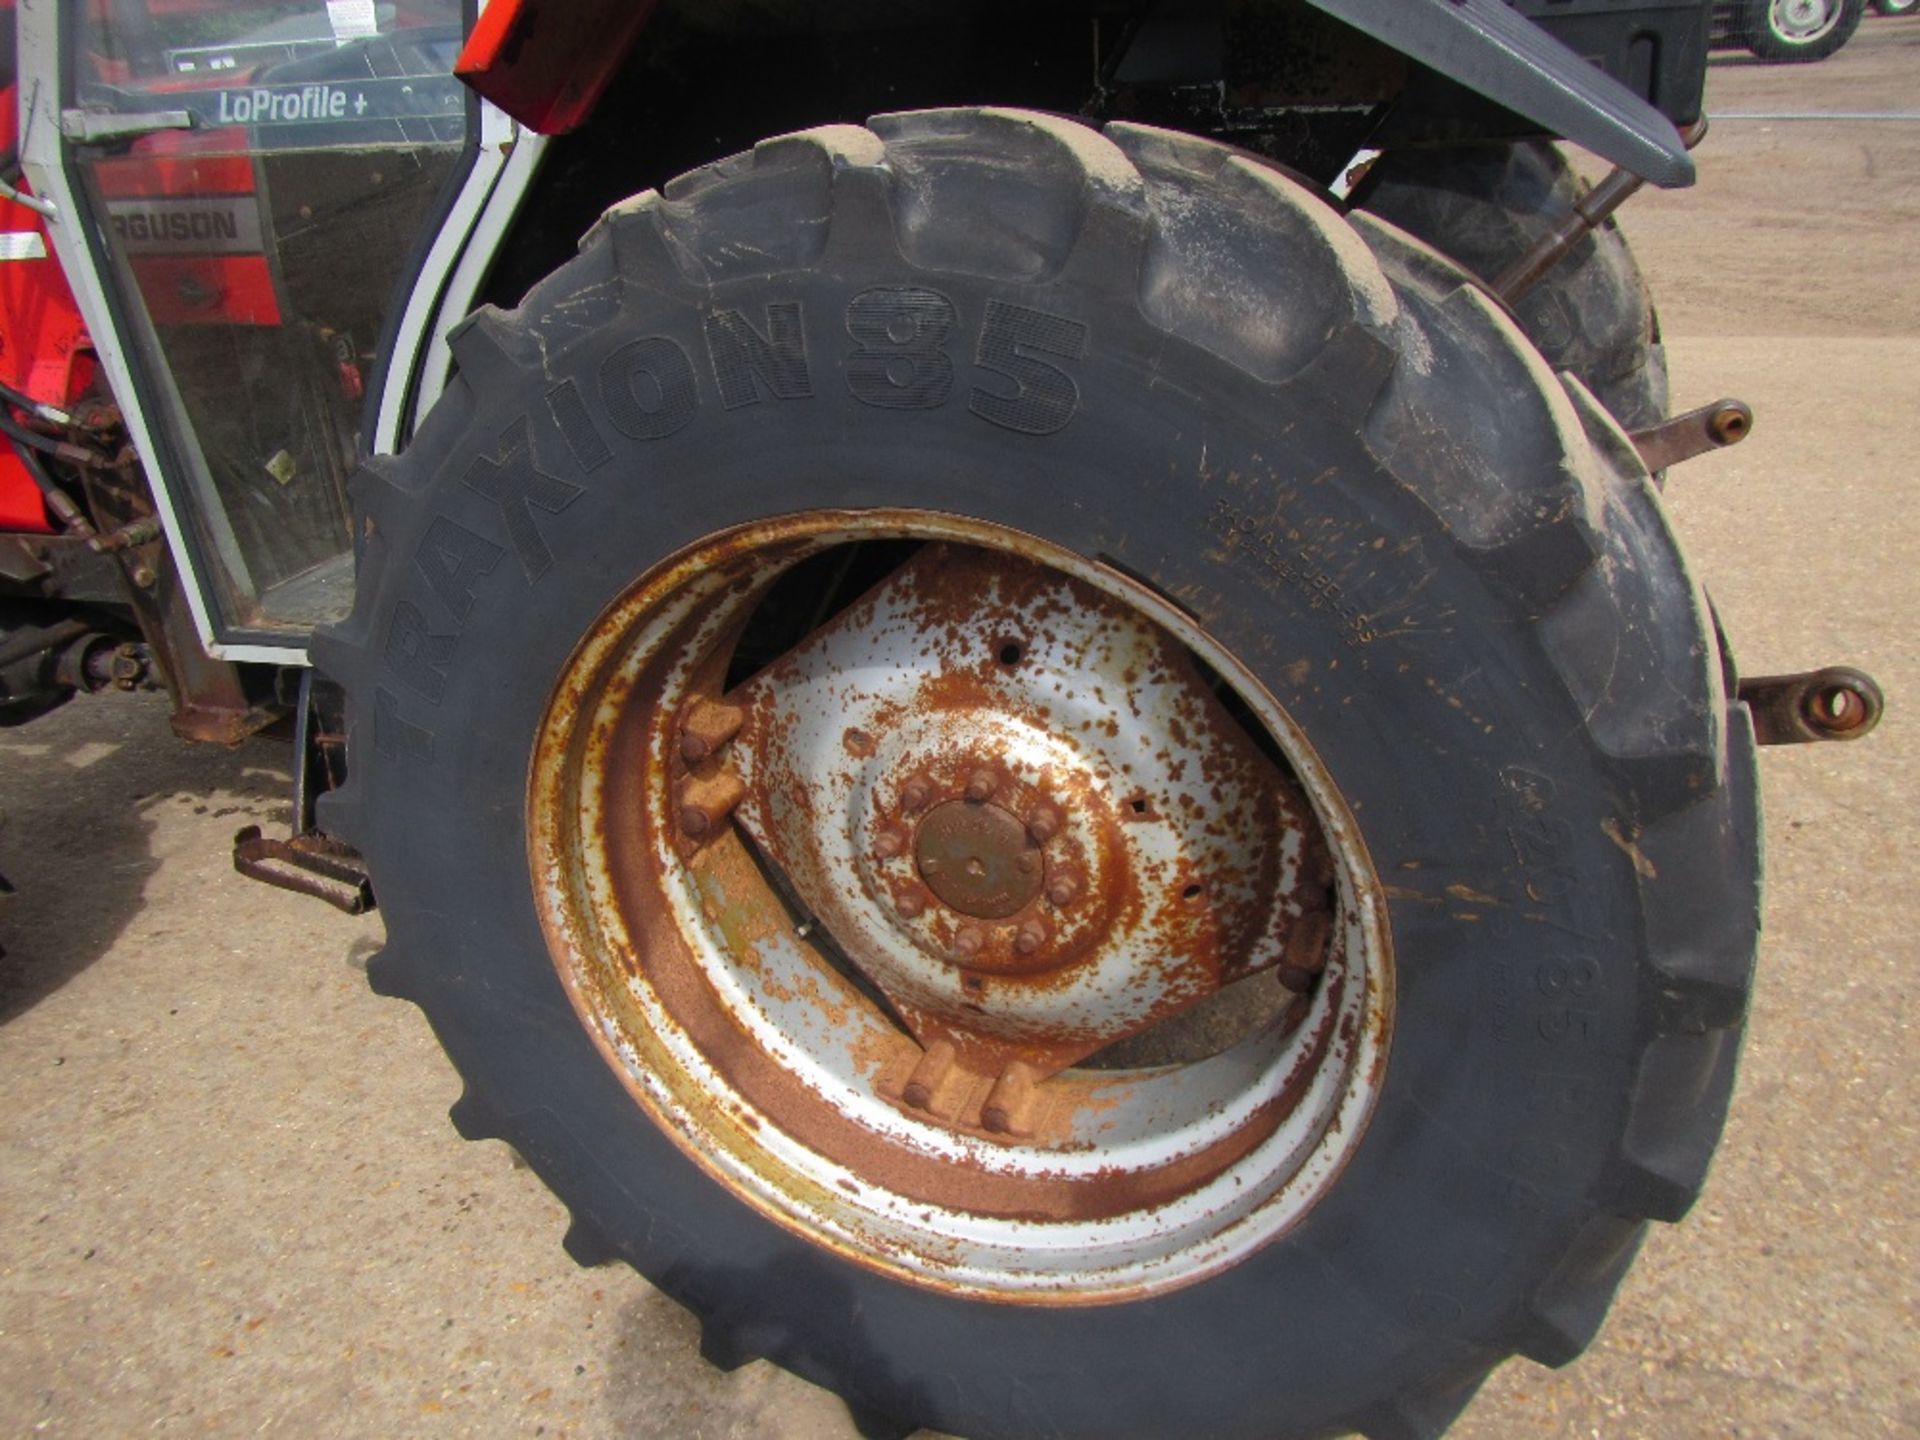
(498, 167)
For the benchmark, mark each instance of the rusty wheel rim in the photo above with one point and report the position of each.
(884, 932)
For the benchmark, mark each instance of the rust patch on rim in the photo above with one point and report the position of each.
(844, 939)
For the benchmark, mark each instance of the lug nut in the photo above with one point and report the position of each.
(889, 843)
(916, 795)
(1030, 937)
(910, 904)
(1306, 943)
(1063, 889)
(981, 785)
(1010, 1102)
(705, 726)
(1294, 978)
(706, 803)
(932, 1068)
(968, 942)
(1044, 823)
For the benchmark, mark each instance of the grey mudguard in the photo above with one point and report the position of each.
(1504, 56)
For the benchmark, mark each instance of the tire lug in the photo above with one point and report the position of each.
(1030, 937)
(982, 785)
(1063, 889)
(915, 797)
(910, 904)
(889, 843)
(706, 802)
(969, 942)
(1044, 823)
(927, 1074)
(706, 726)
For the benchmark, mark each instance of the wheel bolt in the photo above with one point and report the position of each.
(1295, 979)
(968, 942)
(1306, 943)
(1044, 823)
(916, 795)
(889, 843)
(706, 803)
(981, 786)
(1030, 937)
(927, 1075)
(910, 904)
(1009, 1104)
(705, 726)
(1063, 889)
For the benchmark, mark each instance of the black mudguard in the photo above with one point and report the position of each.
(1502, 55)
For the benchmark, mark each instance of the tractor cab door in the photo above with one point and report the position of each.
(270, 202)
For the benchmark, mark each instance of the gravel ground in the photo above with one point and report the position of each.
(230, 1202)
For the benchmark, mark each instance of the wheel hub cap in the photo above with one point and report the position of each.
(978, 860)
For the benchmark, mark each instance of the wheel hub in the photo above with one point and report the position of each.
(978, 859)
(1059, 836)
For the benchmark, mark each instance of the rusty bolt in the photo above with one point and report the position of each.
(910, 904)
(981, 785)
(706, 802)
(916, 795)
(1030, 937)
(932, 1068)
(705, 726)
(144, 576)
(1044, 823)
(1064, 888)
(889, 843)
(1306, 944)
(968, 942)
(1010, 1103)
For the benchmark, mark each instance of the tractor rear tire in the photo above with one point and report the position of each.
(1435, 573)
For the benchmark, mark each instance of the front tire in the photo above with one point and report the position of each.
(1431, 580)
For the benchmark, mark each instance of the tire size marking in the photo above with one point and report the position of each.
(1264, 546)
(1557, 1004)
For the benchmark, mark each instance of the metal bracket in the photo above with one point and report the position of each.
(309, 864)
(1837, 703)
(1711, 427)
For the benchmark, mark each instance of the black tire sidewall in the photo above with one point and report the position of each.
(1456, 746)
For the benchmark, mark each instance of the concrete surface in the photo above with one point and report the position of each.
(230, 1201)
